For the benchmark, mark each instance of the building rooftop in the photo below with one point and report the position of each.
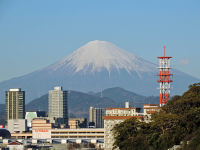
(15, 90)
(120, 117)
(152, 108)
(59, 88)
(150, 104)
(120, 108)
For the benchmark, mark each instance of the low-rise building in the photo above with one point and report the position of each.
(41, 128)
(73, 124)
(17, 125)
(64, 134)
(30, 115)
(149, 109)
(15, 146)
(77, 123)
(81, 133)
(115, 116)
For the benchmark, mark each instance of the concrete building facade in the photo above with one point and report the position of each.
(77, 123)
(17, 125)
(115, 116)
(73, 124)
(149, 109)
(41, 128)
(15, 104)
(58, 108)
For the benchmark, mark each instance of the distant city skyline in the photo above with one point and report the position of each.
(35, 34)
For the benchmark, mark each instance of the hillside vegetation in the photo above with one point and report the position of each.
(79, 103)
(178, 123)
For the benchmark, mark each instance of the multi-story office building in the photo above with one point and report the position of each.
(58, 108)
(95, 116)
(15, 104)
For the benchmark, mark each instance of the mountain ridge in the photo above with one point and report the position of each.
(79, 102)
(142, 82)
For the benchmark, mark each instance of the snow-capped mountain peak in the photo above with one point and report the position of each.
(97, 65)
(98, 55)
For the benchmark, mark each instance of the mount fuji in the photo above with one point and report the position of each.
(95, 66)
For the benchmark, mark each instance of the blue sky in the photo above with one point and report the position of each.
(37, 33)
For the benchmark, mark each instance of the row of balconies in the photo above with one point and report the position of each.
(53, 133)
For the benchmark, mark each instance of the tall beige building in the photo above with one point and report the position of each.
(58, 108)
(95, 116)
(15, 104)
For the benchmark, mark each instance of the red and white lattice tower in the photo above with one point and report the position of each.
(164, 78)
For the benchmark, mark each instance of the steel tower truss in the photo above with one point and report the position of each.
(164, 78)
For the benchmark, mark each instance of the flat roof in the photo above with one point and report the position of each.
(15, 90)
(79, 129)
(152, 108)
(150, 104)
(151, 112)
(120, 108)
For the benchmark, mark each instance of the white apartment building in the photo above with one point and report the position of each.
(116, 116)
(149, 109)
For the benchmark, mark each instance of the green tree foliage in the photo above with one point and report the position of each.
(130, 135)
(194, 144)
(177, 121)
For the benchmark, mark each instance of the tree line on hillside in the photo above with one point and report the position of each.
(178, 123)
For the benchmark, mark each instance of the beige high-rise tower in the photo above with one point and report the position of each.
(15, 104)
(58, 108)
(95, 116)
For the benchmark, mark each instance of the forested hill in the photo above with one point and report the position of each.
(178, 123)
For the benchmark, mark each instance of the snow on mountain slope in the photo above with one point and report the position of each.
(96, 65)
(98, 55)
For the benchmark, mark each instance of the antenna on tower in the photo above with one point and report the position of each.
(38, 94)
(101, 93)
(69, 91)
(164, 50)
